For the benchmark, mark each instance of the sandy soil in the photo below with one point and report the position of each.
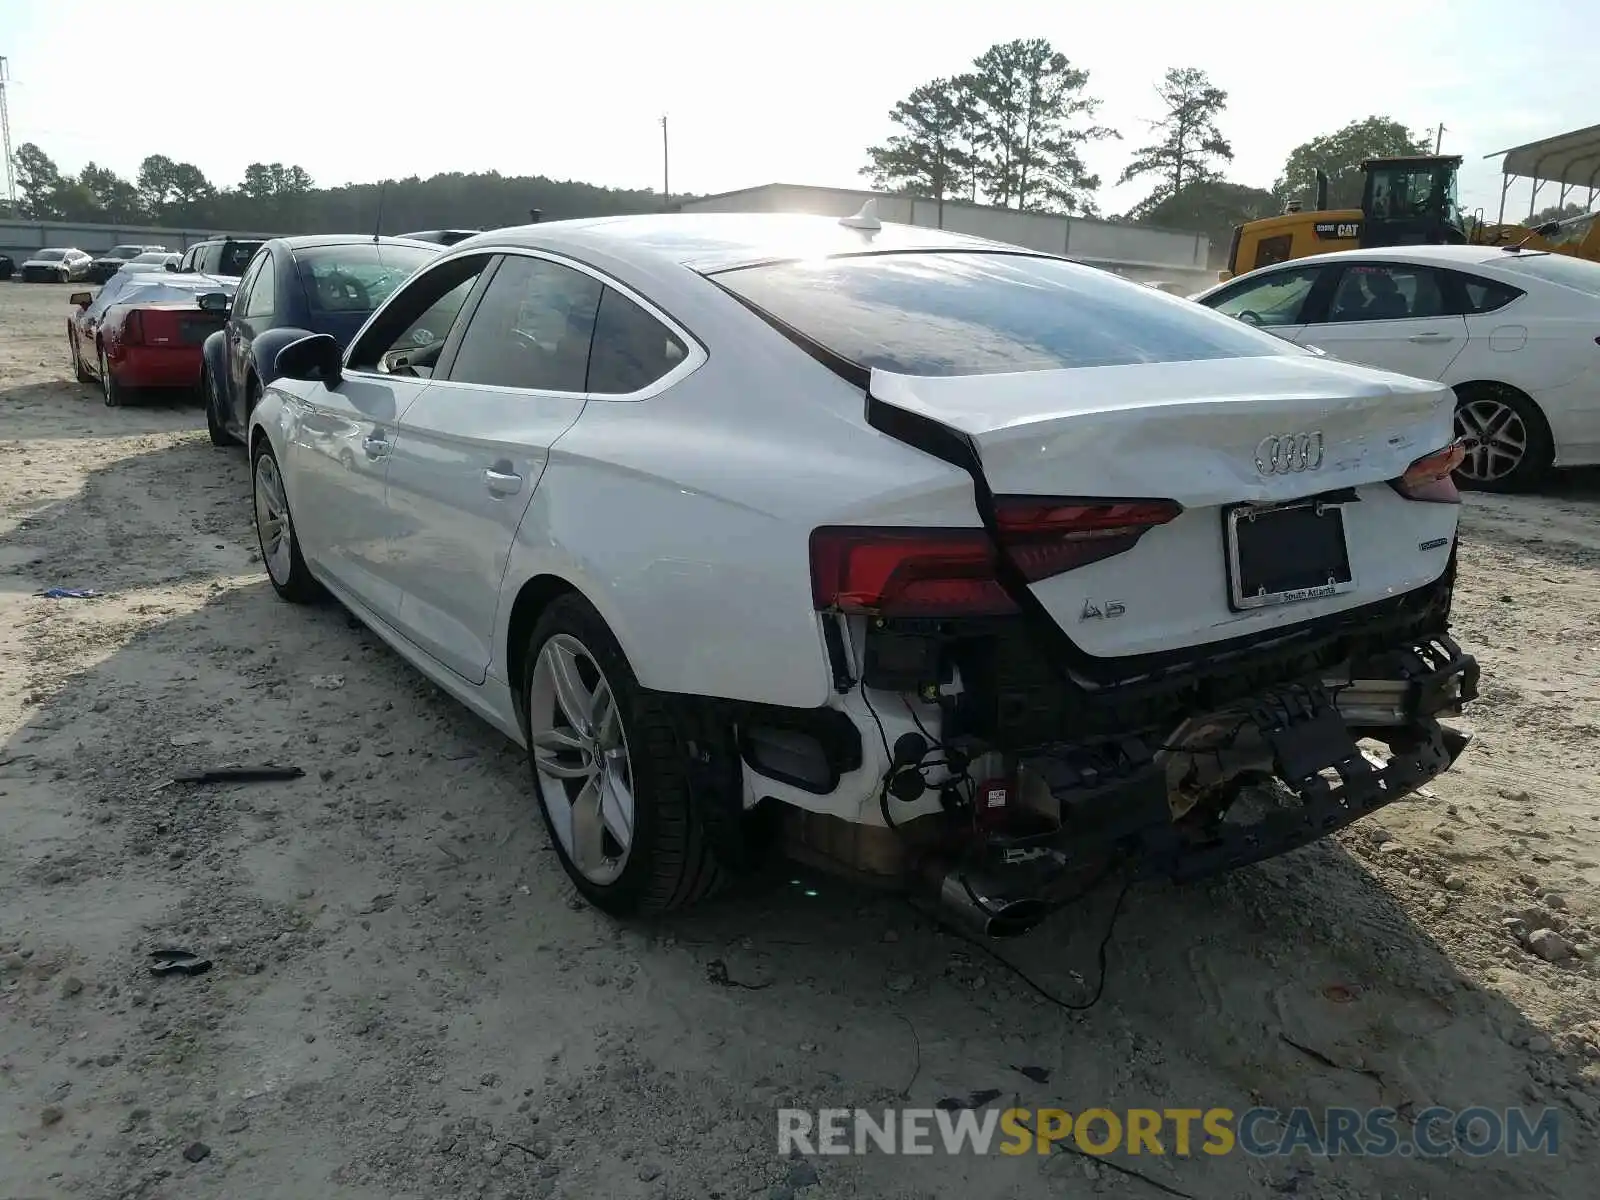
(408, 1001)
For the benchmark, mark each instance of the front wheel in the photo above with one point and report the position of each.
(1511, 444)
(610, 770)
(280, 545)
(214, 426)
(78, 369)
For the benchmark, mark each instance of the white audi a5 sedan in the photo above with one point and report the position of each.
(908, 553)
(1514, 333)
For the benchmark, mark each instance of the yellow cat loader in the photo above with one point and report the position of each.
(1404, 202)
(1411, 201)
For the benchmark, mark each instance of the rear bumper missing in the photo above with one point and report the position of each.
(1115, 802)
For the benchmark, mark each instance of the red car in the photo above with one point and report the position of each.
(145, 331)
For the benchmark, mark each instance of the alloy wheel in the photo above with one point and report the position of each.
(272, 520)
(580, 758)
(1498, 437)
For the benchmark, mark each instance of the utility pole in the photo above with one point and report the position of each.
(666, 177)
(5, 136)
(1438, 137)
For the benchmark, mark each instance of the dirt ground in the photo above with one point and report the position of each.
(408, 1001)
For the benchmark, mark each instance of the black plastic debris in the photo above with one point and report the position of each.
(175, 961)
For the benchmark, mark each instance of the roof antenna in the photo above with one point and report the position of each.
(377, 227)
(866, 219)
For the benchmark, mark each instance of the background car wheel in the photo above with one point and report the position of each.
(1513, 449)
(214, 426)
(280, 545)
(610, 770)
(115, 394)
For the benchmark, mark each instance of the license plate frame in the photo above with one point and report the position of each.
(1245, 589)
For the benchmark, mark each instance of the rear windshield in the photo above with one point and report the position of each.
(1575, 273)
(124, 251)
(151, 256)
(50, 256)
(970, 313)
(236, 257)
(359, 277)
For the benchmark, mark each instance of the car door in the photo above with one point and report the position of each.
(1275, 301)
(468, 455)
(252, 313)
(1395, 316)
(343, 440)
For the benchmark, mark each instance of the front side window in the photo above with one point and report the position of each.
(409, 335)
(1278, 299)
(261, 291)
(356, 278)
(1385, 292)
(975, 313)
(532, 328)
(631, 349)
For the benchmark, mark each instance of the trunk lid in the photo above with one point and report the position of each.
(1192, 432)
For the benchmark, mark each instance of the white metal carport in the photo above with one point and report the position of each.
(1569, 159)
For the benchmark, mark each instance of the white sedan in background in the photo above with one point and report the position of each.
(756, 526)
(1515, 333)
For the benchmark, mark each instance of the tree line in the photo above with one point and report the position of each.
(275, 198)
(1011, 131)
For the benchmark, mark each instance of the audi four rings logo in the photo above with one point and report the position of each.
(1284, 454)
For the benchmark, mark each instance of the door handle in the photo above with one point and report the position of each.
(502, 483)
(1430, 337)
(375, 447)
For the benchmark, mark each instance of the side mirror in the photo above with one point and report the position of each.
(81, 299)
(212, 302)
(317, 357)
(171, 266)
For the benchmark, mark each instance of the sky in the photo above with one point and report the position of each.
(754, 92)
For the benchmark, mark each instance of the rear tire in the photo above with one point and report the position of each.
(633, 755)
(275, 531)
(1515, 448)
(208, 391)
(115, 394)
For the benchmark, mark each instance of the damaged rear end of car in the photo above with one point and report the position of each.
(1198, 615)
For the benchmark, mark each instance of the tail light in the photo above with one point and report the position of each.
(904, 572)
(1429, 478)
(133, 328)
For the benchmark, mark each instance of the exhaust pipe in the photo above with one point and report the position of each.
(962, 897)
(973, 901)
(1322, 190)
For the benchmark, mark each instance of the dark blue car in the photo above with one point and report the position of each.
(293, 287)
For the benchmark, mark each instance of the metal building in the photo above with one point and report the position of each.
(1140, 253)
(1571, 160)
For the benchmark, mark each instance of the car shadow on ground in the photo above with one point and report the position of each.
(62, 410)
(405, 877)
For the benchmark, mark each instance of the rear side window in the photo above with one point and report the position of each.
(631, 349)
(968, 313)
(1575, 273)
(1485, 295)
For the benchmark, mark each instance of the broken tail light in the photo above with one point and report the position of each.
(910, 572)
(1429, 478)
